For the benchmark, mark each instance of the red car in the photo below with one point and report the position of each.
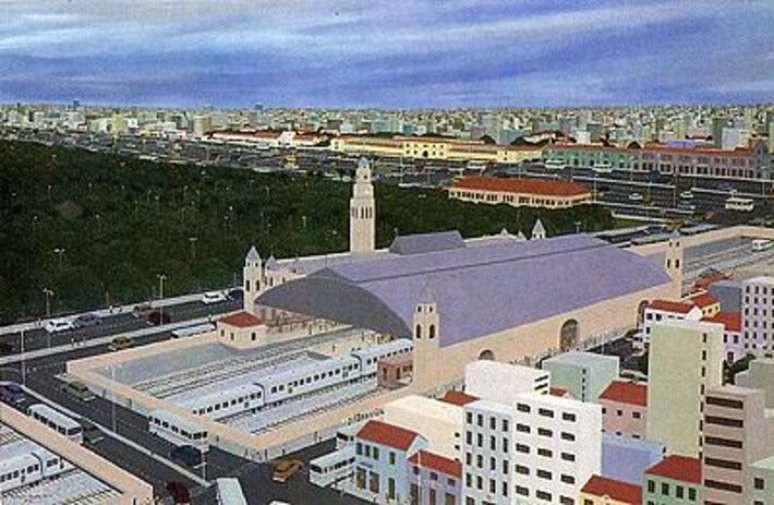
(179, 492)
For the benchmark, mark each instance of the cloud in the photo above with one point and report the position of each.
(396, 54)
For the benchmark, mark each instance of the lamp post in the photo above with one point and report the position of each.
(162, 278)
(193, 240)
(60, 252)
(49, 293)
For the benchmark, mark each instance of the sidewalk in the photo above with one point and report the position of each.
(50, 351)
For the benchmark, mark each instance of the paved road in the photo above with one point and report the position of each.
(115, 324)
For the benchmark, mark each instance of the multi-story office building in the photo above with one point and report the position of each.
(738, 431)
(758, 315)
(674, 481)
(584, 374)
(685, 360)
(501, 382)
(666, 310)
(538, 448)
(624, 409)
(760, 375)
(733, 346)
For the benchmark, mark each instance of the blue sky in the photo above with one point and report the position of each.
(392, 54)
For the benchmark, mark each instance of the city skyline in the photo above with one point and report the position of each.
(417, 55)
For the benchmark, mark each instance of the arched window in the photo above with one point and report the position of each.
(418, 331)
(431, 332)
(568, 335)
(486, 354)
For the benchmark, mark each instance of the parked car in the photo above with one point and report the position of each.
(157, 318)
(120, 343)
(11, 394)
(59, 325)
(142, 310)
(235, 294)
(91, 432)
(6, 348)
(79, 390)
(86, 320)
(178, 491)
(285, 469)
(213, 297)
(187, 454)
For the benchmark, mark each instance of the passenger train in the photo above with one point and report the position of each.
(30, 465)
(57, 421)
(275, 389)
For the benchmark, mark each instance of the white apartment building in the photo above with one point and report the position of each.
(758, 315)
(665, 310)
(501, 382)
(535, 449)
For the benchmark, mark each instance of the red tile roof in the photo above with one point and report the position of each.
(561, 392)
(436, 462)
(458, 398)
(626, 392)
(679, 468)
(387, 434)
(703, 300)
(242, 320)
(530, 186)
(731, 320)
(669, 306)
(615, 489)
(708, 280)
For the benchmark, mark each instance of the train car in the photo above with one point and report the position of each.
(309, 378)
(176, 430)
(56, 421)
(27, 465)
(221, 404)
(368, 358)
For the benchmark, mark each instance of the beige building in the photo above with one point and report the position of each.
(241, 330)
(520, 192)
(738, 432)
(686, 359)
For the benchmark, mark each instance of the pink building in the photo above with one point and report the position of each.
(624, 409)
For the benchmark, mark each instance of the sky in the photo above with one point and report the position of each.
(387, 54)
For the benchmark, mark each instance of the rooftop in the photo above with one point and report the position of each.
(390, 435)
(241, 320)
(615, 489)
(436, 462)
(704, 300)
(479, 290)
(731, 320)
(679, 468)
(626, 392)
(528, 186)
(581, 358)
(458, 398)
(670, 306)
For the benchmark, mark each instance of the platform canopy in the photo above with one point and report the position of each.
(478, 290)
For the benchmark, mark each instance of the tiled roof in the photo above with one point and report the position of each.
(390, 435)
(626, 392)
(615, 489)
(560, 392)
(458, 398)
(436, 462)
(242, 320)
(679, 468)
(528, 186)
(669, 306)
(704, 300)
(731, 320)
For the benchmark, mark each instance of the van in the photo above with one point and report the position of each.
(58, 325)
(11, 394)
(187, 454)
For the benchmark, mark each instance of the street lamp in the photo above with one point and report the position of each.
(49, 293)
(60, 252)
(162, 278)
(193, 240)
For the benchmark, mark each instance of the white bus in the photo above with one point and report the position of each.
(761, 245)
(56, 421)
(230, 492)
(740, 204)
(333, 467)
(176, 430)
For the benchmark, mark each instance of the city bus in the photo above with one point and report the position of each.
(56, 421)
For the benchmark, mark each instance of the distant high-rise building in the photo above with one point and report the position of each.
(731, 138)
(771, 137)
(718, 123)
(202, 125)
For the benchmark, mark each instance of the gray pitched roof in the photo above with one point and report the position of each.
(427, 242)
(538, 229)
(252, 255)
(479, 290)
